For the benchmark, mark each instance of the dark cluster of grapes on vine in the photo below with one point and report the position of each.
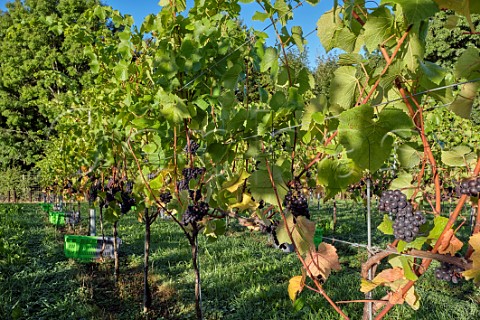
(296, 201)
(449, 272)
(113, 187)
(407, 221)
(199, 209)
(469, 187)
(191, 148)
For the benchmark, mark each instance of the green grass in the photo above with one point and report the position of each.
(242, 276)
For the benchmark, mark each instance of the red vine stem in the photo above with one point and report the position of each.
(418, 120)
(317, 284)
(426, 263)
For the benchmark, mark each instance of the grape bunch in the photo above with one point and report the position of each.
(195, 195)
(406, 223)
(189, 174)
(470, 187)
(128, 201)
(191, 148)
(448, 272)
(166, 197)
(192, 173)
(93, 190)
(195, 213)
(296, 201)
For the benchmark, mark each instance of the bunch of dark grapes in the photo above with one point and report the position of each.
(195, 213)
(192, 173)
(391, 201)
(182, 185)
(110, 195)
(128, 201)
(406, 223)
(191, 148)
(296, 201)
(470, 187)
(195, 195)
(93, 190)
(166, 197)
(448, 272)
(128, 186)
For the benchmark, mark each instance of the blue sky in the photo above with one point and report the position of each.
(305, 16)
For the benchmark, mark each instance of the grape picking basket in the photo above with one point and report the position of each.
(56, 218)
(89, 248)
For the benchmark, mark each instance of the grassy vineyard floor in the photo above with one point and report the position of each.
(242, 277)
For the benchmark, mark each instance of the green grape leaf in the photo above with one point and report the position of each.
(463, 103)
(336, 175)
(217, 151)
(404, 183)
(297, 36)
(409, 154)
(378, 28)
(121, 70)
(260, 16)
(345, 39)
(269, 60)
(348, 59)
(261, 186)
(343, 87)
(406, 264)
(414, 52)
(236, 181)
(326, 27)
(368, 141)
(459, 156)
(433, 72)
(230, 77)
(386, 226)
(214, 228)
(467, 63)
(439, 223)
(415, 10)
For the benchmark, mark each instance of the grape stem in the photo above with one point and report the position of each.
(289, 232)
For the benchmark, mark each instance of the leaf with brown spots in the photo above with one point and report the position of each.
(321, 262)
(450, 243)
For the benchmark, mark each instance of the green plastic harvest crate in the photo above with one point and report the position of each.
(56, 218)
(83, 248)
(89, 248)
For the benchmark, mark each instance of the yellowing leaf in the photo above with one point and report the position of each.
(247, 203)
(295, 286)
(236, 182)
(450, 244)
(384, 277)
(474, 272)
(302, 231)
(321, 262)
(410, 297)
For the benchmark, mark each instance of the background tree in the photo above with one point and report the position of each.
(448, 37)
(41, 70)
